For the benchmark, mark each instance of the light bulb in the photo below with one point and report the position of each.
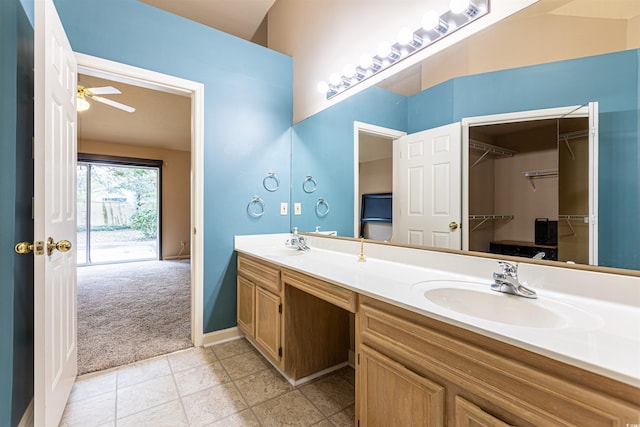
(405, 36)
(366, 60)
(430, 20)
(82, 104)
(384, 49)
(335, 79)
(349, 70)
(459, 6)
(323, 87)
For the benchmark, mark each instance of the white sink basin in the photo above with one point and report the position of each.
(477, 300)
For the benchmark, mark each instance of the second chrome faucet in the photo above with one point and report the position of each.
(507, 281)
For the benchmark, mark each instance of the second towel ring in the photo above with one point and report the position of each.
(271, 182)
(255, 208)
(309, 184)
(322, 207)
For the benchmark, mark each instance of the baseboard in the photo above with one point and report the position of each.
(27, 417)
(173, 258)
(218, 337)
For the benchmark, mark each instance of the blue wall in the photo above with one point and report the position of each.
(8, 66)
(323, 144)
(248, 111)
(23, 265)
(16, 188)
(322, 147)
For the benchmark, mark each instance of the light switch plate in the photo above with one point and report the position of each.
(297, 209)
(283, 208)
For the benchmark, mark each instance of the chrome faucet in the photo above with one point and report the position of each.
(298, 241)
(508, 282)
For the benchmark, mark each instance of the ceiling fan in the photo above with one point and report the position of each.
(94, 93)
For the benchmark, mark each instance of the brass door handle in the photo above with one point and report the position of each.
(62, 246)
(24, 248)
(453, 225)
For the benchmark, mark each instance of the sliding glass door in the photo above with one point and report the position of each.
(118, 212)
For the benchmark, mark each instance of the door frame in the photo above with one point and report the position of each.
(124, 73)
(371, 130)
(589, 110)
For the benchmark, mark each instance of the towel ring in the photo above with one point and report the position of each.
(255, 208)
(322, 207)
(271, 182)
(309, 184)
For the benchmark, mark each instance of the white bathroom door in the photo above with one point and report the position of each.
(427, 188)
(55, 348)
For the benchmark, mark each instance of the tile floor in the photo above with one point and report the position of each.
(229, 384)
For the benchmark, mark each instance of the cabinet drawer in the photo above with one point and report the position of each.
(259, 273)
(336, 295)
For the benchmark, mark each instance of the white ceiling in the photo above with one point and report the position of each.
(161, 119)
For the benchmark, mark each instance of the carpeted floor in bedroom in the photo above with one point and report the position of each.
(132, 311)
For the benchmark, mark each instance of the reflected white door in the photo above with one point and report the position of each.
(55, 358)
(427, 188)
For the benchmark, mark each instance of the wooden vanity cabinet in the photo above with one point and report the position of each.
(300, 322)
(437, 374)
(246, 308)
(260, 305)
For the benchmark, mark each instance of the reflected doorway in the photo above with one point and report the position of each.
(118, 210)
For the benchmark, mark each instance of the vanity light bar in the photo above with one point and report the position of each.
(433, 28)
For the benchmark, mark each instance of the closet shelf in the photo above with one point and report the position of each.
(580, 134)
(542, 173)
(485, 218)
(569, 218)
(492, 150)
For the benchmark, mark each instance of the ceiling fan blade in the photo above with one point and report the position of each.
(104, 90)
(126, 108)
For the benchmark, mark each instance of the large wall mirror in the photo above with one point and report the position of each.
(327, 144)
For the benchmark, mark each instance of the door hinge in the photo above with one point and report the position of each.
(358, 358)
(280, 308)
(280, 352)
(358, 423)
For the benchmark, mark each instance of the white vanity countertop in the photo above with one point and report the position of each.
(602, 329)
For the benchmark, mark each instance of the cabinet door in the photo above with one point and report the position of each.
(246, 306)
(392, 395)
(267, 324)
(469, 415)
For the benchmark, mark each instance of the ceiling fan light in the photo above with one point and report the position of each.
(82, 104)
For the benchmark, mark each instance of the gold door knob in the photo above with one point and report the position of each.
(23, 248)
(453, 225)
(62, 246)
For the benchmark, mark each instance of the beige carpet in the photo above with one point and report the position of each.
(132, 311)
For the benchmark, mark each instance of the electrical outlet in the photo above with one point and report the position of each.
(297, 209)
(283, 208)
